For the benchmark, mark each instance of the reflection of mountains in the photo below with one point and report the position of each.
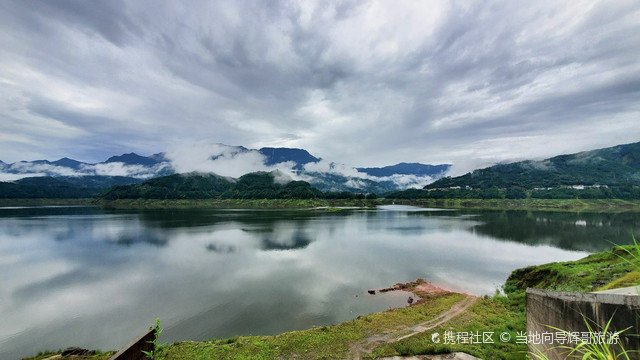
(154, 239)
(26, 211)
(264, 224)
(572, 231)
(298, 241)
(166, 219)
(270, 239)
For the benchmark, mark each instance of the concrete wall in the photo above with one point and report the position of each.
(133, 351)
(565, 310)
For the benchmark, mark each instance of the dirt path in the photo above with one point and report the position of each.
(367, 345)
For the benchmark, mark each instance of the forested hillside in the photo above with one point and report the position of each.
(64, 187)
(614, 166)
(259, 185)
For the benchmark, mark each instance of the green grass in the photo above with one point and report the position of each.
(506, 312)
(328, 342)
(573, 205)
(236, 203)
(486, 315)
(44, 202)
(630, 279)
(588, 274)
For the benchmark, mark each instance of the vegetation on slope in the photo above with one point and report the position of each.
(562, 205)
(618, 167)
(259, 185)
(64, 187)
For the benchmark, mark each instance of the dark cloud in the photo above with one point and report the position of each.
(366, 83)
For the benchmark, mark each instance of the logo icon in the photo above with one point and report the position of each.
(435, 337)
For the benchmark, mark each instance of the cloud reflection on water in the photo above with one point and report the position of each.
(96, 279)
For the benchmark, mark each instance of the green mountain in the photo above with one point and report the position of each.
(258, 185)
(44, 187)
(63, 187)
(615, 166)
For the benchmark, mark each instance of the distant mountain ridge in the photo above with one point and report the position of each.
(67, 187)
(135, 159)
(258, 185)
(279, 155)
(332, 178)
(612, 166)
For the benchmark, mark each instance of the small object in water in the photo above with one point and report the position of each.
(410, 301)
(371, 292)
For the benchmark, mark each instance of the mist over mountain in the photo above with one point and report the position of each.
(232, 161)
(407, 169)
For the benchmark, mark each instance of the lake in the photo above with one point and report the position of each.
(81, 276)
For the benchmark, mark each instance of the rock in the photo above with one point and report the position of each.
(371, 292)
(410, 300)
(77, 351)
(581, 274)
(389, 289)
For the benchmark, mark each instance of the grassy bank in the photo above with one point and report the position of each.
(45, 202)
(373, 335)
(332, 342)
(235, 203)
(575, 205)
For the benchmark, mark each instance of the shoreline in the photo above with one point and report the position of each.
(554, 205)
(558, 205)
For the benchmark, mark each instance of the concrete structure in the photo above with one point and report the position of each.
(133, 351)
(568, 311)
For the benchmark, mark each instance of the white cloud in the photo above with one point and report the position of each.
(401, 181)
(13, 177)
(364, 83)
(224, 160)
(122, 169)
(30, 168)
(21, 170)
(408, 181)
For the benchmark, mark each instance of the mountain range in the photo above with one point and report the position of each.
(614, 166)
(608, 172)
(224, 160)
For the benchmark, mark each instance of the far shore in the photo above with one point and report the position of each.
(570, 205)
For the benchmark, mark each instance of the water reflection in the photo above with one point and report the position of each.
(92, 278)
(572, 231)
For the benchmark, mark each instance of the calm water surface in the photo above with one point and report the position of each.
(80, 276)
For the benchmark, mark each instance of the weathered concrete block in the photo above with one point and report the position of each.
(568, 311)
(133, 351)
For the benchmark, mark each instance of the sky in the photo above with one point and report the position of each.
(365, 83)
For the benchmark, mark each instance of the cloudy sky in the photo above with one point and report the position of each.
(363, 83)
